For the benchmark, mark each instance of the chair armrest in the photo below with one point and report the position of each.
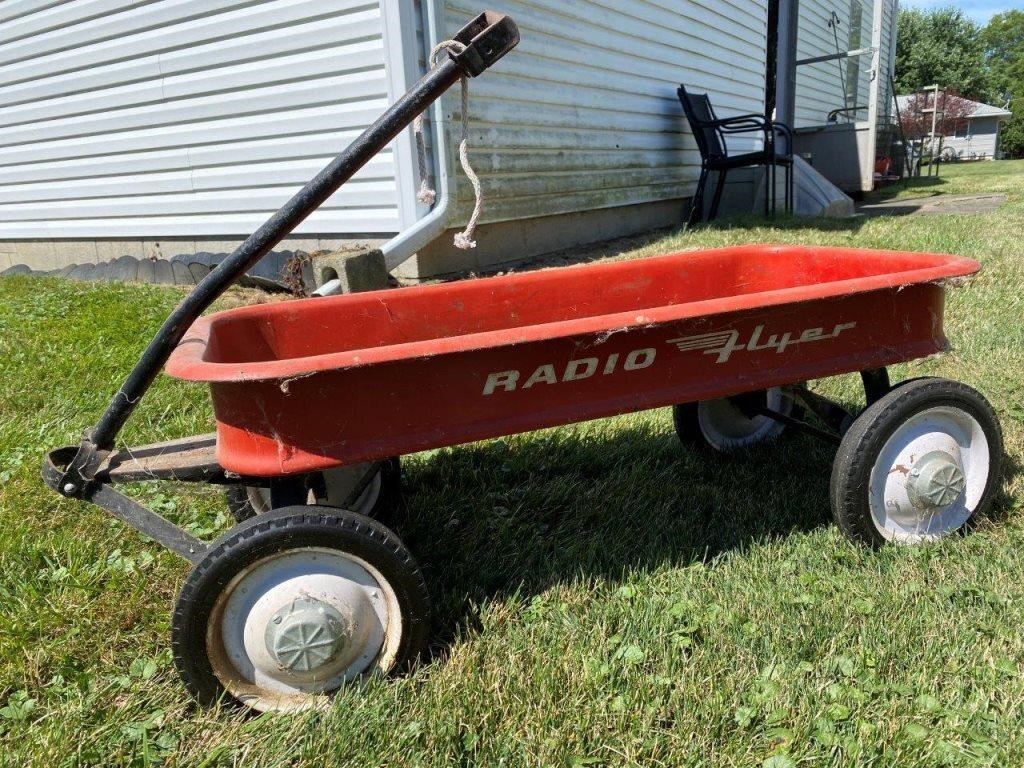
(745, 128)
(738, 122)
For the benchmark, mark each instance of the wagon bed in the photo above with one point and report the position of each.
(309, 384)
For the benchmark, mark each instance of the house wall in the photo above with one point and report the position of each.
(584, 115)
(828, 85)
(186, 118)
(174, 125)
(982, 138)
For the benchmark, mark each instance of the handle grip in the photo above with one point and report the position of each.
(487, 38)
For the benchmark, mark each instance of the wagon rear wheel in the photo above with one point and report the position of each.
(288, 607)
(381, 499)
(920, 464)
(730, 424)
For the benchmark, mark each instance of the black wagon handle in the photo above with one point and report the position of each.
(486, 38)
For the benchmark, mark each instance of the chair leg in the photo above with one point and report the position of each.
(769, 189)
(718, 195)
(793, 187)
(697, 206)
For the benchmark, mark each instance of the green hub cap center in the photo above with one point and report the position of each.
(935, 481)
(306, 635)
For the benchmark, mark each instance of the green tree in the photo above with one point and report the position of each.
(940, 46)
(1002, 40)
(1003, 43)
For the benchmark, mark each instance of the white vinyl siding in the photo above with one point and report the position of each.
(199, 118)
(186, 117)
(981, 139)
(820, 87)
(584, 114)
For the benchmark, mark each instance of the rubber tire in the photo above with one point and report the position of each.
(860, 447)
(237, 498)
(386, 509)
(687, 426)
(279, 531)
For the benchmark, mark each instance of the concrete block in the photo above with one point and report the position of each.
(229, 244)
(37, 254)
(357, 271)
(108, 250)
(508, 243)
(212, 246)
(73, 252)
(344, 245)
(442, 258)
(159, 249)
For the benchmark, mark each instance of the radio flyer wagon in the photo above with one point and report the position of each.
(311, 592)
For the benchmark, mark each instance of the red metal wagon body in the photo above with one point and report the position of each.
(311, 384)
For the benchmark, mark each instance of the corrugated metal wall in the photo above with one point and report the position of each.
(185, 117)
(584, 113)
(820, 87)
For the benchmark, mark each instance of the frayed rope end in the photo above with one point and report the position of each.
(463, 241)
(426, 195)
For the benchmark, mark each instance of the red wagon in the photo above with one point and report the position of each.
(306, 385)
(314, 400)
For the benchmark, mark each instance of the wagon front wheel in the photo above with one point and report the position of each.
(288, 607)
(731, 424)
(921, 463)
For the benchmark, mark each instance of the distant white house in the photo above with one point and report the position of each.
(977, 137)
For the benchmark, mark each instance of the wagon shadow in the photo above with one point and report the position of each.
(519, 516)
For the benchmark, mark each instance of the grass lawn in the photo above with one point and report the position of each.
(603, 596)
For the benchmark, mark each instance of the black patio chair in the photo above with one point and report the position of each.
(710, 133)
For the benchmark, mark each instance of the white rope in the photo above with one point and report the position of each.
(427, 194)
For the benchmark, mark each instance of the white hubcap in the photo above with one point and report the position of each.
(727, 428)
(306, 635)
(929, 476)
(300, 624)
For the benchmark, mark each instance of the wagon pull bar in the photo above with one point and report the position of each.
(487, 38)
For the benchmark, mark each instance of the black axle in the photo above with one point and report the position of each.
(832, 414)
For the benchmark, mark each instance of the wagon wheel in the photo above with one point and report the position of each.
(381, 499)
(288, 607)
(921, 463)
(729, 424)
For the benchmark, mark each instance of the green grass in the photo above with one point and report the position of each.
(958, 179)
(603, 596)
